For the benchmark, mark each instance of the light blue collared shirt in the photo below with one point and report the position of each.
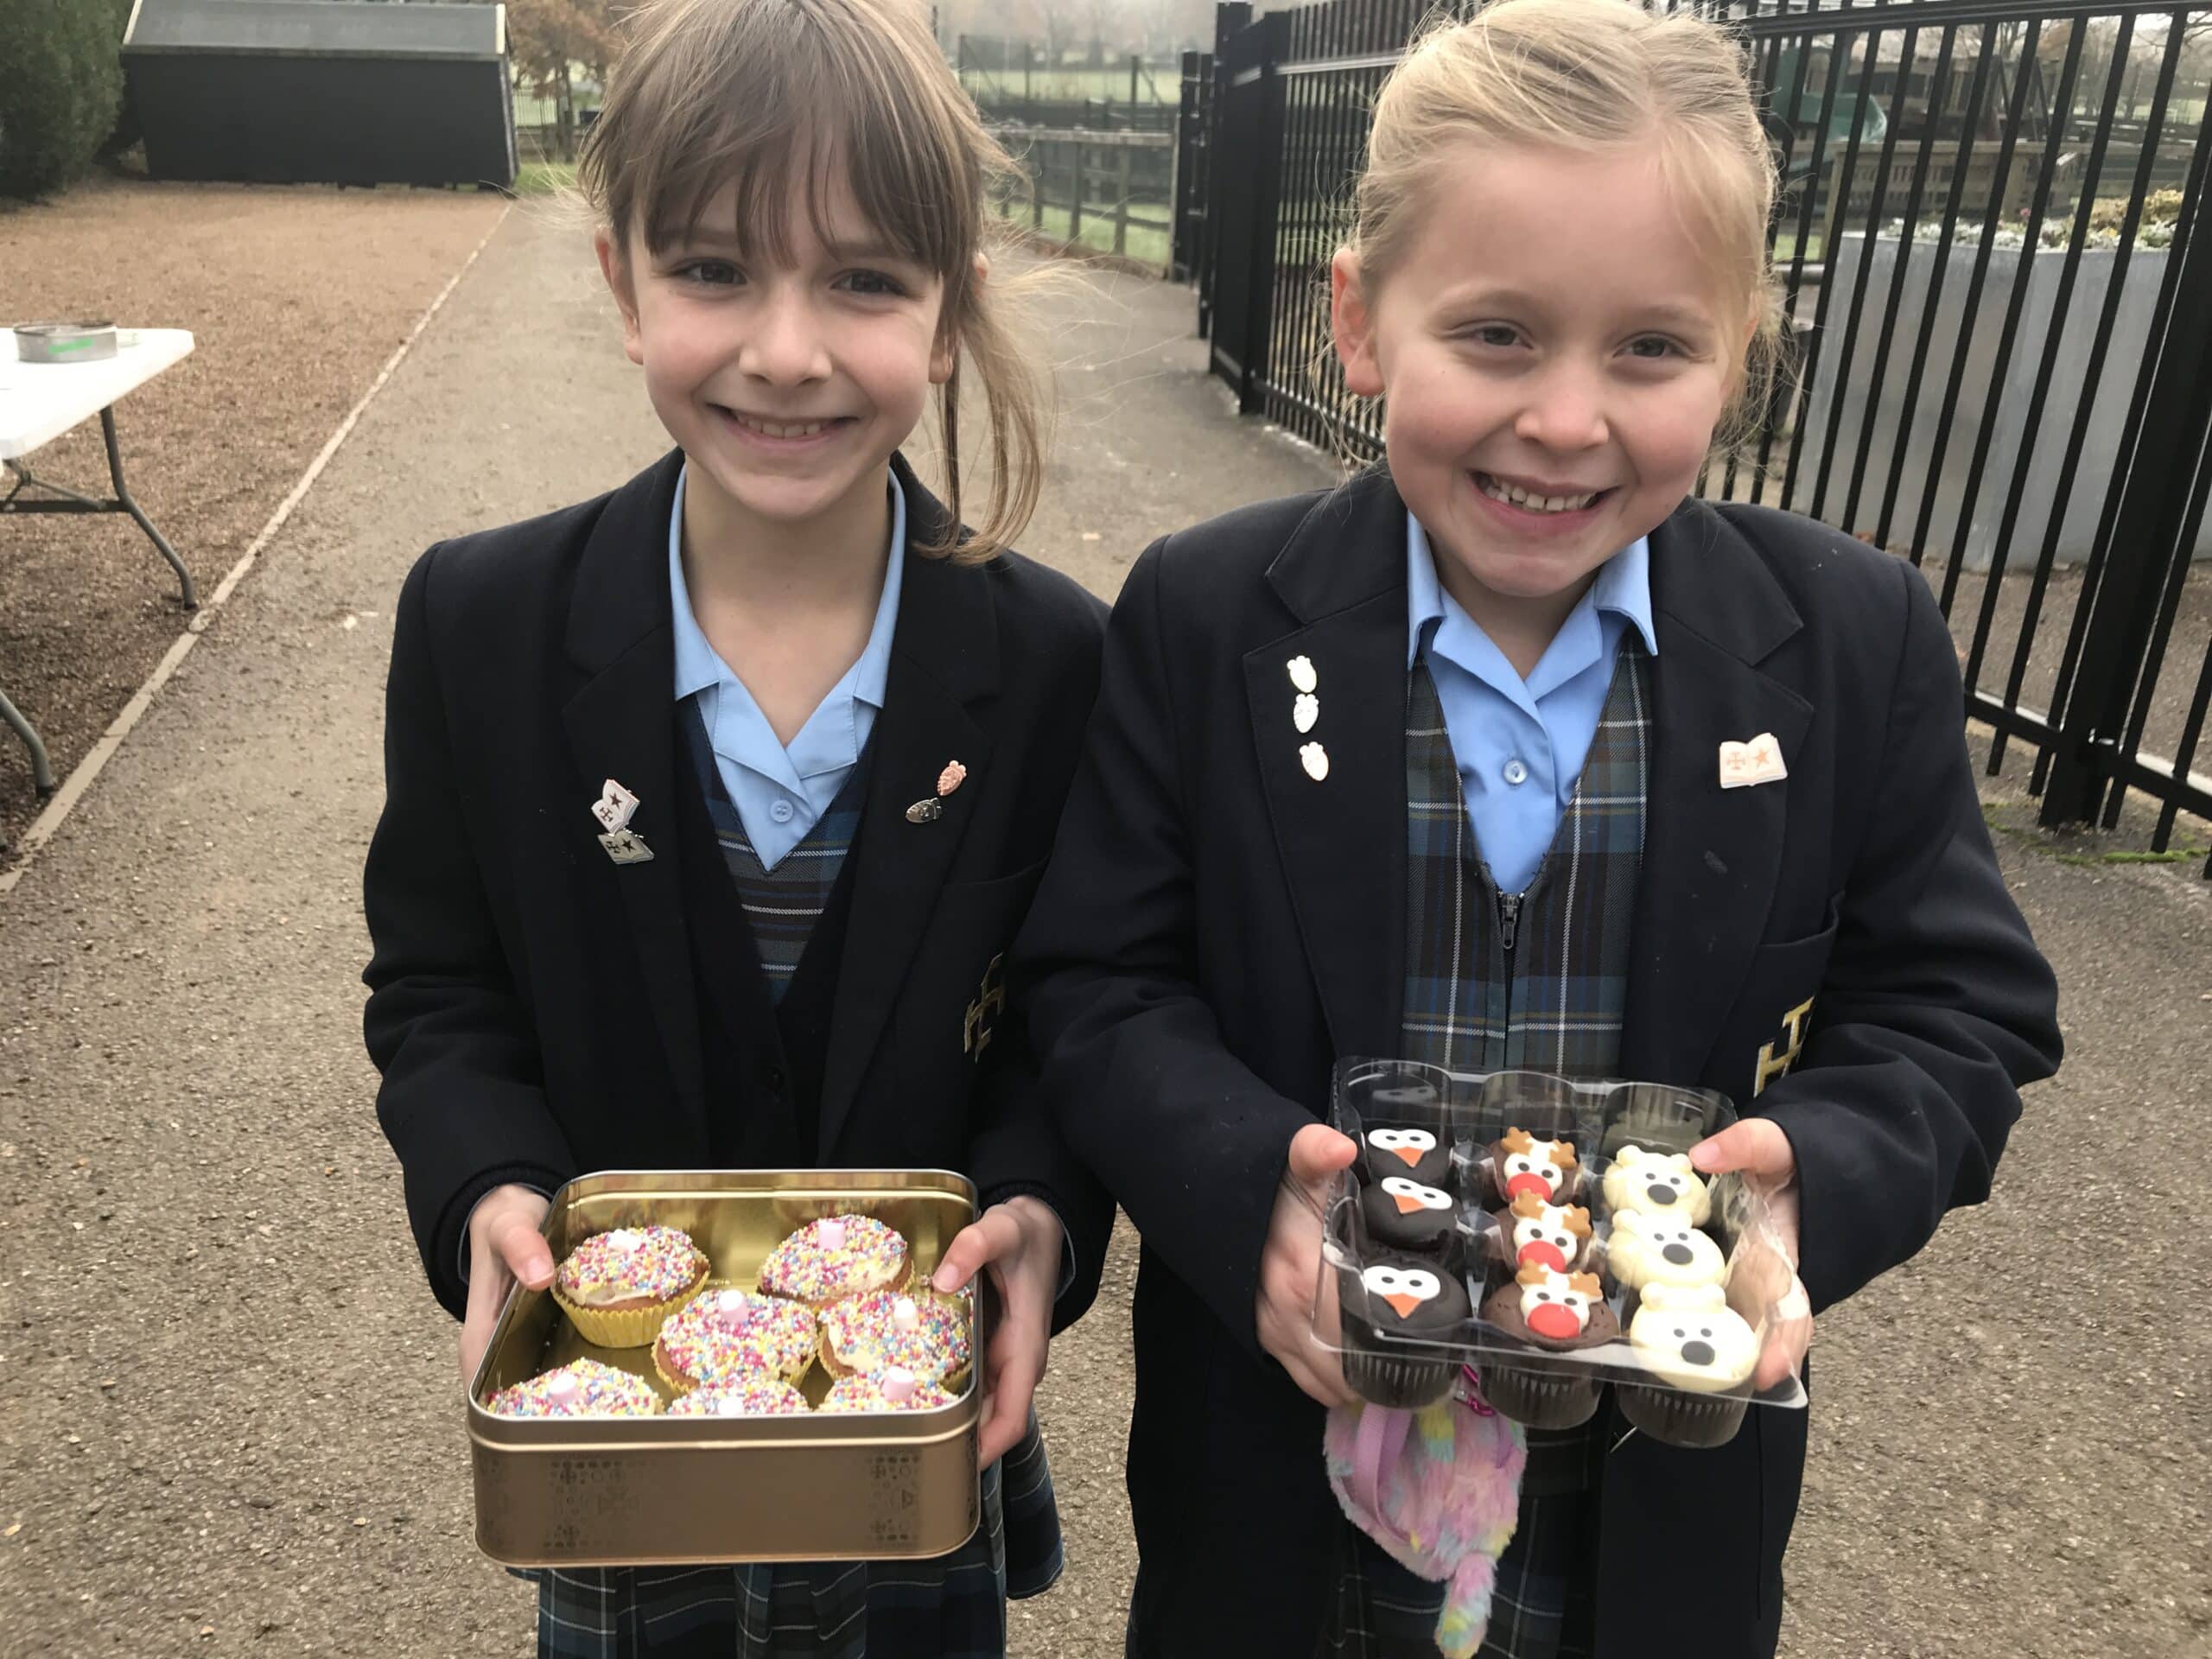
(781, 793)
(1520, 743)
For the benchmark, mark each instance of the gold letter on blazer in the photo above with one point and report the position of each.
(1773, 1065)
(990, 997)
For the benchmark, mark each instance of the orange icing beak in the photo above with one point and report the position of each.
(1404, 1304)
(1407, 1203)
(1411, 1154)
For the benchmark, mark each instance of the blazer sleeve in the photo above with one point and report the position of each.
(1132, 1059)
(1936, 1006)
(1018, 1148)
(462, 1101)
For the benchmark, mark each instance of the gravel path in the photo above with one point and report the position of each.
(228, 1417)
(294, 297)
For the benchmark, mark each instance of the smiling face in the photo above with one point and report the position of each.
(1554, 353)
(787, 377)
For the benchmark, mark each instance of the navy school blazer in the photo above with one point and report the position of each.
(1216, 927)
(535, 1007)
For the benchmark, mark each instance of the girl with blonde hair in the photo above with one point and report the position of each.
(1435, 765)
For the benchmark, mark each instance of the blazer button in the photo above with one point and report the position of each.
(772, 1077)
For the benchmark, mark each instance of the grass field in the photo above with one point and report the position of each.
(1146, 247)
(545, 178)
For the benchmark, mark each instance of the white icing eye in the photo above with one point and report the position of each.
(1401, 1139)
(1426, 1197)
(1419, 1285)
(1568, 1299)
(1383, 1282)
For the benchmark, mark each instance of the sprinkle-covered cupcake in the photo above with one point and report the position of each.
(893, 1389)
(926, 1334)
(721, 1335)
(835, 1257)
(618, 1287)
(582, 1387)
(756, 1394)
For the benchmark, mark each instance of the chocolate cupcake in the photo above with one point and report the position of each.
(1416, 1154)
(1520, 1162)
(1691, 1339)
(1403, 1215)
(1393, 1300)
(1548, 1235)
(1544, 1313)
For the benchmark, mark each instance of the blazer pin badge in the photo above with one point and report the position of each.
(930, 808)
(1758, 761)
(614, 808)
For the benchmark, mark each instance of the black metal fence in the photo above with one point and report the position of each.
(1998, 320)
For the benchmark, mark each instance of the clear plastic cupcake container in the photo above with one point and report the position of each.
(1688, 1334)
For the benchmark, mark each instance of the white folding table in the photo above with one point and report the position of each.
(38, 402)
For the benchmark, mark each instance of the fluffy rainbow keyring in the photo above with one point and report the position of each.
(1438, 1489)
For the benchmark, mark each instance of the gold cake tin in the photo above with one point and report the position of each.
(628, 1492)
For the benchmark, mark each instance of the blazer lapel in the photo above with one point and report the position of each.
(1710, 856)
(1341, 837)
(620, 725)
(943, 660)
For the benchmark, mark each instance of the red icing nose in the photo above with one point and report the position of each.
(1535, 1184)
(1554, 1321)
(1544, 1252)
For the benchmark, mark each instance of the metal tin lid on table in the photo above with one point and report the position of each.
(66, 342)
(632, 1490)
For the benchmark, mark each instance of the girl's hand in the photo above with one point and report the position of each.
(1763, 1153)
(505, 1244)
(1295, 1309)
(1019, 1242)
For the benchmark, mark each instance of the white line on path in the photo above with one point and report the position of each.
(79, 781)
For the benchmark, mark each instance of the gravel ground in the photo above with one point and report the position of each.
(228, 1417)
(295, 297)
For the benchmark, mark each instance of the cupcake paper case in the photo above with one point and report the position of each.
(618, 1287)
(722, 1335)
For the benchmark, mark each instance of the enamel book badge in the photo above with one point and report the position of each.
(930, 808)
(614, 808)
(1758, 761)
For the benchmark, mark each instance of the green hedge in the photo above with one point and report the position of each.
(59, 91)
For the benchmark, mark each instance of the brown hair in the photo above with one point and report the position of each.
(757, 92)
(1588, 74)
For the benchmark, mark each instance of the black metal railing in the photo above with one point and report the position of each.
(1997, 320)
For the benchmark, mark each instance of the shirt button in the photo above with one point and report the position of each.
(780, 810)
(1516, 773)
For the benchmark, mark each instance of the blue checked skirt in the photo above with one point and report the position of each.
(951, 1607)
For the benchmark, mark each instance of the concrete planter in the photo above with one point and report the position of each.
(1985, 399)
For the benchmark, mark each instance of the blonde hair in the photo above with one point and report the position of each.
(1588, 75)
(710, 93)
